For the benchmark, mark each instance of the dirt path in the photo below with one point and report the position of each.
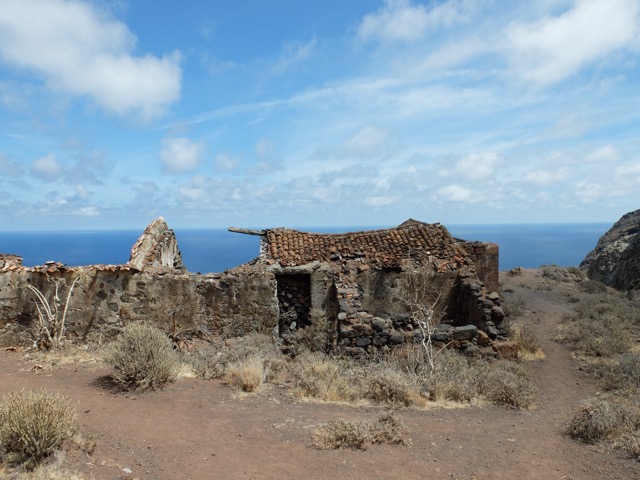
(199, 430)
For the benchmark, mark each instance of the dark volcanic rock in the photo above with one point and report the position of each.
(616, 259)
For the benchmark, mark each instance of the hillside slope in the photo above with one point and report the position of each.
(616, 259)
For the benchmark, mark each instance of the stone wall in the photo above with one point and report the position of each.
(478, 306)
(233, 303)
(486, 258)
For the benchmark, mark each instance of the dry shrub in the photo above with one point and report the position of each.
(453, 379)
(507, 383)
(247, 374)
(206, 362)
(622, 374)
(314, 375)
(630, 442)
(388, 428)
(601, 326)
(528, 346)
(513, 306)
(33, 425)
(316, 337)
(390, 386)
(592, 286)
(411, 359)
(44, 472)
(142, 357)
(602, 418)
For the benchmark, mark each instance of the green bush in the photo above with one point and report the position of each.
(142, 357)
(33, 425)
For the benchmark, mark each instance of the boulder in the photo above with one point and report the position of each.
(482, 339)
(466, 332)
(506, 350)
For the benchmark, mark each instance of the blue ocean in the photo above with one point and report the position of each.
(215, 250)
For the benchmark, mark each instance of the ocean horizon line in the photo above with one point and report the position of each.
(305, 227)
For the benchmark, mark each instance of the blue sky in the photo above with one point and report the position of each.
(269, 113)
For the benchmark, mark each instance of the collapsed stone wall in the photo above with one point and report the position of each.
(8, 261)
(233, 303)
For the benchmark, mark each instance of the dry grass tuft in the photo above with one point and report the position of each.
(528, 347)
(388, 428)
(247, 374)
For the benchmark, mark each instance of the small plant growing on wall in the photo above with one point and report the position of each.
(52, 312)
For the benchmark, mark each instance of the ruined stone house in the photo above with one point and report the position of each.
(366, 283)
(358, 281)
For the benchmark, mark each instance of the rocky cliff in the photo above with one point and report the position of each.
(616, 259)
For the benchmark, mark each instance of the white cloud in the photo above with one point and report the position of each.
(367, 141)
(89, 211)
(47, 168)
(630, 170)
(9, 168)
(478, 166)
(608, 153)
(546, 177)
(379, 200)
(552, 49)
(191, 194)
(181, 154)
(226, 162)
(294, 52)
(80, 49)
(590, 192)
(456, 193)
(400, 20)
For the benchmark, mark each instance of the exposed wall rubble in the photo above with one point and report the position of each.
(8, 262)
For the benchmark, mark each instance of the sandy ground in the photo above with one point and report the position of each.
(197, 429)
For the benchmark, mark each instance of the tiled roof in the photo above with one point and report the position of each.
(421, 242)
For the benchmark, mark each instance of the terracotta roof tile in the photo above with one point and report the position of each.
(422, 242)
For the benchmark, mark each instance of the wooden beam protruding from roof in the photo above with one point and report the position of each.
(246, 231)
